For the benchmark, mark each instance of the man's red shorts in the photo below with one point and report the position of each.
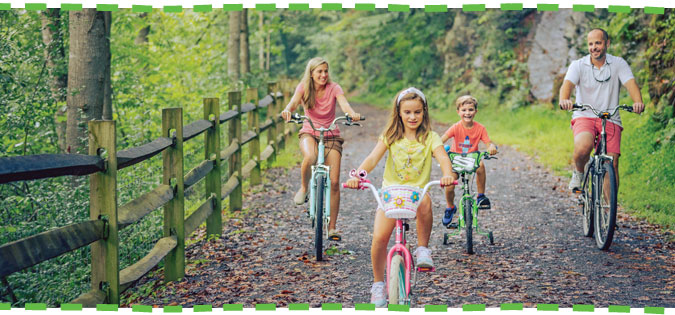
(594, 126)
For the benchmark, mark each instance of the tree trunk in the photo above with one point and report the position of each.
(261, 51)
(245, 60)
(55, 57)
(86, 75)
(233, 47)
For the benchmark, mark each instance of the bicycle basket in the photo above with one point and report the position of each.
(464, 163)
(400, 202)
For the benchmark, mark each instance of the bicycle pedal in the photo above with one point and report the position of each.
(577, 191)
(451, 226)
(426, 269)
(484, 207)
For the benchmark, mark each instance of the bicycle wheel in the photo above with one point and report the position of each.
(587, 202)
(605, 210)
(468, 221)
(318, 217)
(396, 290)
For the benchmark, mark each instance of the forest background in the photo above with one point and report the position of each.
(512, 61)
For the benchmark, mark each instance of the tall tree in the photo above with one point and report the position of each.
(261, 51)
(245, 59)
(54, 53)
(89, 56)
(233, 46)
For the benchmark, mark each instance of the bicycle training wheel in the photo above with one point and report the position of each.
(605, 210)
(587, 202)
(318, 217)
(396, 290)
(468, 221)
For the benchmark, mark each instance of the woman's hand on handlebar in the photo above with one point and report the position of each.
(286, 115)
(355, 116)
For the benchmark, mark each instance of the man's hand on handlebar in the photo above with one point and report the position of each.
(566, 104)
(638, 108)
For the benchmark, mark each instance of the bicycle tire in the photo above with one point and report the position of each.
(587, 201)
(468, 221)
(396, 290)
(318, 217)
(605, 212)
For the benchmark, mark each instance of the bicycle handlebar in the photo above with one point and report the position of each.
(582, 107)
(298, 119)
(365, 184)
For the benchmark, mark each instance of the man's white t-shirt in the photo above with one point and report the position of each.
(603, 96)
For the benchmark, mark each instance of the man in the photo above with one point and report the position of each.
(596, 77)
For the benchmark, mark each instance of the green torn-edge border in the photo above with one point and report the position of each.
(334, 307)
(338, 7)
(333, 6)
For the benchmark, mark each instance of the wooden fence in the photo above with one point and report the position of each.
(106, 218)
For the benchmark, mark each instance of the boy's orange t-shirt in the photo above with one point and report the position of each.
(466, 140)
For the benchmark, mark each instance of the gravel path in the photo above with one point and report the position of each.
(539, 255)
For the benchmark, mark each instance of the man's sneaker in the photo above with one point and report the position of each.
(449, 213)
(378, 294)
(575, 182)
(424, 257)
(483, 202)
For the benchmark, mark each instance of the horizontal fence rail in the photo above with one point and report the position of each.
(107, 218)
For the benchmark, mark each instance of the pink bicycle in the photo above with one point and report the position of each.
(399, 202)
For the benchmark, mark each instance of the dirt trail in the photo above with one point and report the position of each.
(539, 255)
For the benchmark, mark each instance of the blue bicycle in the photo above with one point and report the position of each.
(319, 185)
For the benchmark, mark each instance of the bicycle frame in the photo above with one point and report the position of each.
(467, 194)
(318, 169)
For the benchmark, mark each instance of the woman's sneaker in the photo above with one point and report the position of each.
(378, 294)
(424, 257)
(300, 197)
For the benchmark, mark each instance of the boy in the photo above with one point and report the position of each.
(466, 133)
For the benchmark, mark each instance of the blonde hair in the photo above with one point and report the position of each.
(466, 99)
(394, 129)
(309, 97)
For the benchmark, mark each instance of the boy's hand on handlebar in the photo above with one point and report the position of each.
(638, 108)
(492, 149)
(565, 105)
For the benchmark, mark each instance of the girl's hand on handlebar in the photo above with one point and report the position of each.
(447, 181)
(355, 116)
(353, 183)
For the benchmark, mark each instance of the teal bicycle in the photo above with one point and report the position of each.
(466, 164)
(319, 185)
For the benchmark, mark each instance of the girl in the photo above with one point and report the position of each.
(318, 96)
(410, 142)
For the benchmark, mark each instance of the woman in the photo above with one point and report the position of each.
(318, 95)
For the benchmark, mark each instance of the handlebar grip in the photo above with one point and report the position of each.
(577, 106)
(362, 118)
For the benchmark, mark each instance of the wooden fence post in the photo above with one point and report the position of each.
(174, 211)
(103, 204)
(254, 124)
(214, 223)
(272, 113)
(234, 98)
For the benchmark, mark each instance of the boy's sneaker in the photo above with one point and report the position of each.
(424, 257)
(447, 218)
(575, 182)
(378, 294)
(483, 202)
